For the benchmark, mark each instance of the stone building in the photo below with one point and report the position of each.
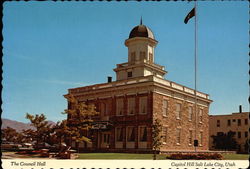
(235, 122)
(140, 93)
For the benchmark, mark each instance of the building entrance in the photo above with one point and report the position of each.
(104, 140)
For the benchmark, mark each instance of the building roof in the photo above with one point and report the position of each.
(232, 114)
(141, 31)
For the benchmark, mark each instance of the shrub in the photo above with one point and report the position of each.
(199, 156)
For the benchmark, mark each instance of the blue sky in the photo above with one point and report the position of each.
(49, 47)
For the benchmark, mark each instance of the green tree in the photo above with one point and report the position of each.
(41, 127)
(225, 141)
(9, 134)
(156, 136)
(80, 120)
(246, 146)
(62, 132)
(29, 135)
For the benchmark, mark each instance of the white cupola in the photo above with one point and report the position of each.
(141, 45)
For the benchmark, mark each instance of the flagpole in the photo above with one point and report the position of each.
(195, 69)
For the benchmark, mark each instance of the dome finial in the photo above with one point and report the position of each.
(141, 21)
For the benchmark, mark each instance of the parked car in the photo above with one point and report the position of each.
(10, 146)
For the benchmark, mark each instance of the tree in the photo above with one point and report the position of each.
(62, 131)
(10, 134)
(29, 135)
(79, 120)
(156, 136)
(41, 126)
(246, 146)
(225, 141)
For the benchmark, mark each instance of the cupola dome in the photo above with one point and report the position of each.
(141, 31)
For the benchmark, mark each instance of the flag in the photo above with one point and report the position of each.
(189, 16)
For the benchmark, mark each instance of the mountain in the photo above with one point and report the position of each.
(19, 126)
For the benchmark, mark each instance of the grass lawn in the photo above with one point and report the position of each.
(129, 156)
(235, 156)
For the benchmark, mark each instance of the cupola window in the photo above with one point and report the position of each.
(142, 56)
(132, 57)
(130, 74)
(150, 58)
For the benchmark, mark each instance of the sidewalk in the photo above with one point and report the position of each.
(13, 155)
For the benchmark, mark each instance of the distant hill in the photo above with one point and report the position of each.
(18, 126)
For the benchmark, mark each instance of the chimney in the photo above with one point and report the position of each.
(109, 79)
(240, 109)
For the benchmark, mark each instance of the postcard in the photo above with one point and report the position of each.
(125, 84)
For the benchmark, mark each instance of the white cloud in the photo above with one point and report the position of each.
(63, 82)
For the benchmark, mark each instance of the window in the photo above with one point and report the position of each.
(220, 133)
(104, 109)
(200, 115)
(246, 134)
(164, 134)
(143, 134)
(239, 134)
(229, 122)
(143, 105)
(234, 120)
(119, 107)
(142, 55)
(201, 137)
(119, 134)
(178, 110)
(132, 56)
(131, 106)
(106, 138)
(165, 108)
(190, 113)
(131, 134)
(151, 58)
(246, 121)
(190, 137)
(130, 74)
(178, 136)
(218, 123)
(239, 122)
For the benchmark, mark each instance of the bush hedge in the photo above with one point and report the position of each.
(200, 156)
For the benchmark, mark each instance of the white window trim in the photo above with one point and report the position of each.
(139, 140)
(127, 134)
(201, 121)
(116, 135)
(192, 113)
(178, 117)
(128, 113)
(163, 108)
(164, 142)
(141, 98)
(201, 139)
(178, 143)
(117, 114)
(190, 144)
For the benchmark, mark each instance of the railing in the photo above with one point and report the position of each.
(137, 62)
(158, 66)
(122, 65)
(179, 87)
(140, 80)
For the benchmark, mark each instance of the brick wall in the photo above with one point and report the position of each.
(172, 123)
